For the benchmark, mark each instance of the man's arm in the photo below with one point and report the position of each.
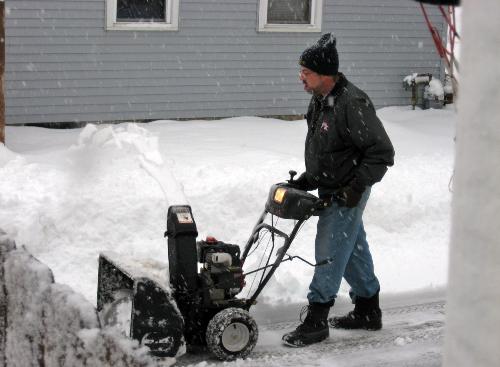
(368, 135)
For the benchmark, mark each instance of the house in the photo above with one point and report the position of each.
(113, 60)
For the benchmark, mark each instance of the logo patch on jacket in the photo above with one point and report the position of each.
(324, 126)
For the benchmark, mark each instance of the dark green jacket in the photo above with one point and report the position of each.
(345, 139)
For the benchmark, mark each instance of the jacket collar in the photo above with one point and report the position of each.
(337, 90)
(339, 86)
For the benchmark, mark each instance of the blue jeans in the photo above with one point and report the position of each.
(341, 238)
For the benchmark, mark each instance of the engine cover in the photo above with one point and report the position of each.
(289, 203)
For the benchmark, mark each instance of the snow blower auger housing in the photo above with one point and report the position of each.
(201, 307)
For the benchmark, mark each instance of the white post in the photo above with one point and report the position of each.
(473, 301)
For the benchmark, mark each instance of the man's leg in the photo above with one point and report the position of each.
(359, 273)
(335, 239)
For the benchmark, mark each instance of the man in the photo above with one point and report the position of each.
(346, 151)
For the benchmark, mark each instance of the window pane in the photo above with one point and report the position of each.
(289, 11)
(140, 10)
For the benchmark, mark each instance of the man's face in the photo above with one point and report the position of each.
(313, 82)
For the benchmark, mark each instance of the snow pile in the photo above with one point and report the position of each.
(434, 90)
(128, 138)
(106, 348)
(27, 283)
(50, 324)
(108, 191)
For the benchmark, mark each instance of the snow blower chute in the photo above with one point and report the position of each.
(200, 307)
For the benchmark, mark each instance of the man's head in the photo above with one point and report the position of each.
(315, 83)
(320, 65)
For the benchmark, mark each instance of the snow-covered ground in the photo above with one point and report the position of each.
(412, 336)
(69, 194)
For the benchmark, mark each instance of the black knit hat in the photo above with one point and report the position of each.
(322, 57)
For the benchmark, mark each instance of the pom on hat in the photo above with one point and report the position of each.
(322, 57)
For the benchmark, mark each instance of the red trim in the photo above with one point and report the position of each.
(442, 50)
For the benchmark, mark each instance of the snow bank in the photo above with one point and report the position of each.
(72, 194)
(108, 190)
(49, 324)
(27, 284)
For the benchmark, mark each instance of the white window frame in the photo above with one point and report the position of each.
(171, 19)
(314, 26)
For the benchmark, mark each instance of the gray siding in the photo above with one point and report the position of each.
(62, 65)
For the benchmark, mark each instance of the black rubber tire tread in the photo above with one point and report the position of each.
(220, 322)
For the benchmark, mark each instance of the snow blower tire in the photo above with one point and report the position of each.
(232, 333)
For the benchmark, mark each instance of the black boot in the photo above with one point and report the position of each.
(313, 329)
(366, 315)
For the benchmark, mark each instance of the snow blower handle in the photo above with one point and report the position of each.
(304, 182)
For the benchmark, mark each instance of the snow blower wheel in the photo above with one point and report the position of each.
(232, 333)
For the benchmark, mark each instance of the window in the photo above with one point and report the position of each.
(142, 15)
(290, 15)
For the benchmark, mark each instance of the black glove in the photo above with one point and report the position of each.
(302, 183)
(350, 195)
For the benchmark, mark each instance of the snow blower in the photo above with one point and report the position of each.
(200, 308)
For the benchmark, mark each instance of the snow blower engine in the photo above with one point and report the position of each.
(198, 306)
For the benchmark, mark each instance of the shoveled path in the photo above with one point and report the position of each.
(412, 336)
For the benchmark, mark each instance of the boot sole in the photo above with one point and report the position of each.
(369, 328)
(304, 343)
